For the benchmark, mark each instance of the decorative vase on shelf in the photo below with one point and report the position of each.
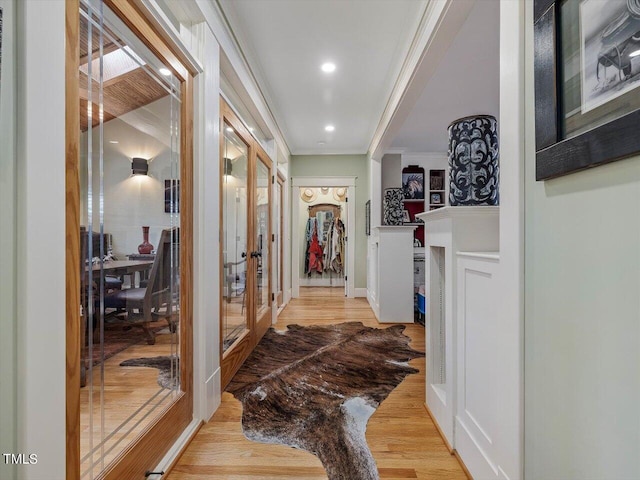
(145, 247)
(473, 161)
(392, 206)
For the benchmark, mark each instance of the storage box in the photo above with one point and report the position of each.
(422, 303)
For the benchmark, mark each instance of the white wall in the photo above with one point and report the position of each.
(132, 201)
(582, 316)
(8, 265)
(391, 171)
(41, 236)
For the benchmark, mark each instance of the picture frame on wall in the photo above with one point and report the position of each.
(172, 196)
(586, 93)
(436, 199)
(367, 217)
(413, 185)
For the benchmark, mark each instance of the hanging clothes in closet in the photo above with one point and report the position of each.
(315, 254)
(308, 235)
(334, 247)
(324, 235)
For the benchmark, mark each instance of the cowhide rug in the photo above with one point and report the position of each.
(315, 388)
(167, 366)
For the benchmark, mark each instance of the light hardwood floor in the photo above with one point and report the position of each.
(130, 400)
(400, 434)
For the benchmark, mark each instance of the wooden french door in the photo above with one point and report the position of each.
(279, 244)
(121, 420)
(245, 237)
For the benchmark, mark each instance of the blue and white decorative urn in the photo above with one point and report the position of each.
(473, 161)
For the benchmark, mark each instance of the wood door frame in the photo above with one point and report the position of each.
(263, 323)
(148, 448)
(237, 353)
(280, 179)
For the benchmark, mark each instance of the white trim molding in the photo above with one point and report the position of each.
(220, 27)
(438, 28)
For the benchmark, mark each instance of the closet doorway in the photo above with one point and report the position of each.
(323, 233)
(246, 238)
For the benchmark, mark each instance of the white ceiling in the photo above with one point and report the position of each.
(467, 82)
(286, 41)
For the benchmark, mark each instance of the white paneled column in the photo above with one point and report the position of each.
(41, 237)
(206, 263)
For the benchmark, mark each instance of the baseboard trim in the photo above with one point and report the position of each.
(464, 467)
(435, 422)
(175, 452)
(360, 292)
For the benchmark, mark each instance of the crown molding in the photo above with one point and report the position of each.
(221, 29)
(440, 23)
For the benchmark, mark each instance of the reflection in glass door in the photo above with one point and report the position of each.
(234, 246)
(279, 229)
(261, 255)
(246, 297)
(133, 307)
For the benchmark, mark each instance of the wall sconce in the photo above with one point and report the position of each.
(139, 166)
(228, 166)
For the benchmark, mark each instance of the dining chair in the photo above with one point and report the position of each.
(159, 298)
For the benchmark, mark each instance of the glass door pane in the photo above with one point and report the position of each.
(234, 250)
(129, 237)
(345, 249)
(278, 254)
(263, 238)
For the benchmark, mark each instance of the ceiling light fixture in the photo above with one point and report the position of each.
(229, 129)
(635, 53)
(113, 141)
(329, 128)
(328, 67)
(165, 71)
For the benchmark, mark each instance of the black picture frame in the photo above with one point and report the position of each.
(413, 183)
(556, 155)
(172, 196)
(367, 218)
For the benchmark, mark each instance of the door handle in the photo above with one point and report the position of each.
(256, 254)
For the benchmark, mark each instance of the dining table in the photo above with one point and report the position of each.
(121, 267)
(116, 268)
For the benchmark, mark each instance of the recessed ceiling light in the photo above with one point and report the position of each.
(322, 143)
(229, 129)
(328, 67)
(329, 128)
(165, 71)
(113, 141)
(251, 129)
